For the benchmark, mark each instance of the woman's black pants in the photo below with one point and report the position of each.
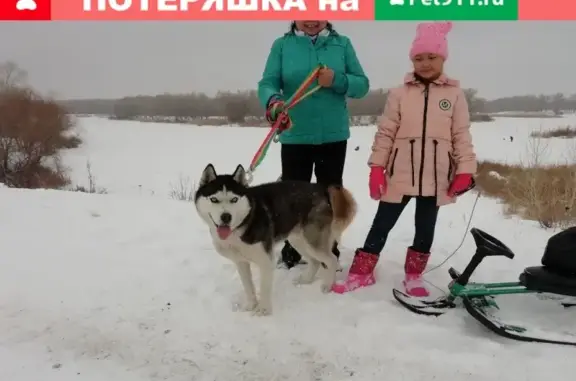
(299, 161)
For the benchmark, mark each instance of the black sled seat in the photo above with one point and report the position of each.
(557, 274)
(543, 279)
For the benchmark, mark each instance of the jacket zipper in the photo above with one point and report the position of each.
(412, 159)
(435, 168)
(393, 162)
(424, 122)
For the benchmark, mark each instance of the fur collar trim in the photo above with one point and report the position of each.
(324, 33)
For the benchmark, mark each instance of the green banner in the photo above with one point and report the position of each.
(455, 10)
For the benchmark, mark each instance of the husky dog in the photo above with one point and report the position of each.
(247, 222)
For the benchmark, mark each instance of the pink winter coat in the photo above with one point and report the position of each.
(423, 139)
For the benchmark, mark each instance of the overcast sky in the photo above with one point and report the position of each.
(114, 59)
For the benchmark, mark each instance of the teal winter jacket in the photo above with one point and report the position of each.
(323, 117)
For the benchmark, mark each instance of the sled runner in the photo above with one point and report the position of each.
(553, 284)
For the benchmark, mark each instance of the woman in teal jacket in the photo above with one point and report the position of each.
(317, 140)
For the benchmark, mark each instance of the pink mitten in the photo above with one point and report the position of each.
(462, 183)
(377, 183)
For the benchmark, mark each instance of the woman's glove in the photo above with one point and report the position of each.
(377, 183)
(274, 110)
(275, 107)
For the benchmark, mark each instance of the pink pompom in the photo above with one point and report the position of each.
(444, 27)
(437, 28)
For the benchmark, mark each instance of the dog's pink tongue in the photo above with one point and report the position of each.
(224, 231)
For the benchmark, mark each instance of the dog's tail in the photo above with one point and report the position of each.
(344, 207)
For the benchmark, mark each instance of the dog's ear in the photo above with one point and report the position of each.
(240, 175)
(209, 174)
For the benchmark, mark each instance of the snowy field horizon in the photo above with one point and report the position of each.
(126, 286)
(491, 139)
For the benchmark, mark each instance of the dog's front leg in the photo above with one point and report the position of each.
(266, 265)
(246, 278)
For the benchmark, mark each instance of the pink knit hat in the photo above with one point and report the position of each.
(431, 38)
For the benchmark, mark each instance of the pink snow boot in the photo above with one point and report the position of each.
(414, 267)
(361, 273)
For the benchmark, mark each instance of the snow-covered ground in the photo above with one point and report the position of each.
(126, 286)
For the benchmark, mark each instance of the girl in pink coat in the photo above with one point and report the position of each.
(422, 150)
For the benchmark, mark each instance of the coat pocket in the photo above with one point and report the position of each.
(412, 141)
(391, 170)
(450, 166)
(435, 167)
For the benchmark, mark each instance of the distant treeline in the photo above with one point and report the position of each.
(236, 106)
